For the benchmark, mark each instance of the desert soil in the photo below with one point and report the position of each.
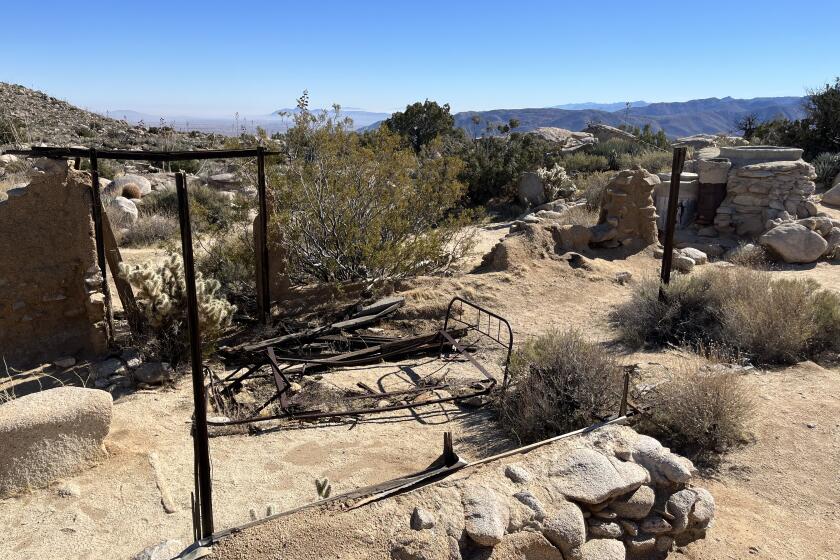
(777, 496)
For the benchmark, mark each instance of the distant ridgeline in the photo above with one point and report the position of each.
(699, 116)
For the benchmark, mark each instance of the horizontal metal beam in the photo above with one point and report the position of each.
(137, 155)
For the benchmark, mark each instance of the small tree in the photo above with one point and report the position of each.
(421, 123)
(747, 125)
(351, 207)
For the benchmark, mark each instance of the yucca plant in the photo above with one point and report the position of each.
(827, 166)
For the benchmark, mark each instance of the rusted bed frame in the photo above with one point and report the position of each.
(486, 323)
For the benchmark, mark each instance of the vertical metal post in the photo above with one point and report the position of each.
(622, 410)
(201, 440)
(96, 210)
(670, 224)
(265, 292)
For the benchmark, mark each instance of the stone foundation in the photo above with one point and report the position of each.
(762, 192)
(51, 300)
(628, 216)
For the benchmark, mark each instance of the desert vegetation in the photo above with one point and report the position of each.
(795, 318)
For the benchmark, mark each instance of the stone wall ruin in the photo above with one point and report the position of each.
(51, 299)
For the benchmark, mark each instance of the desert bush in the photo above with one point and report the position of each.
(150, 229)
(556, 182)
(701, 411)
(162, 299)
(592, 186)
(768, 320)
(618, 146)
(210, 211)
(580, 215)
(229, 259)
(751, 256)
(347, 209)
(827, 167)
(559, 382)
(655, 161)
(583, 161)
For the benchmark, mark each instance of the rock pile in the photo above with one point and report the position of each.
(628, 215)
(803, 241)
(612, 495)
(762, 192)
(567, 140)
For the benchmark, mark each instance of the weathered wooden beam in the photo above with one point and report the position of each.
(671, 222)
(114, 258)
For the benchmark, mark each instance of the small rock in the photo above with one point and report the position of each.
(679, 505)
(517, 473)
(602, 549)
(698, 256)
(165, 550)
(533, 503)
(664, 543)
(708, 231)
(153, 373)
(486, 515)
(601, 529)
(629, 527)
(811, 424)
(109, 367)
(65, 362)
(422, 519)
(584, 475)
(131, 357)
(69, 490)
(704, 508)
(640, 546)
(683, 264)
(565, 527)
(655, 525)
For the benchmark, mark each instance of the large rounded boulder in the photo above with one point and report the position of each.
(794, 243)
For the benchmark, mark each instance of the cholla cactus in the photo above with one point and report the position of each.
(162, 299)
(556, 182)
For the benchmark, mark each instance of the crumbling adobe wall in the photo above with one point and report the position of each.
(51, 300)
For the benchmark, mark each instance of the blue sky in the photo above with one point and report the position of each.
(215, 58)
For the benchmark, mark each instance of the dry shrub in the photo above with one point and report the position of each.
(131, 191)
(580, 215)
(150, 229)
(768, 320)
(749, 255)
(559, 382)
(701, 410)
(592, 186)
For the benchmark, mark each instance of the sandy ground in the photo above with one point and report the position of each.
(777, 495)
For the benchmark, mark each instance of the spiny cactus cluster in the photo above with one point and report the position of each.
(161, 297)
(556, 182)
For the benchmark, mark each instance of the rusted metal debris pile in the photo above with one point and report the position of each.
(285, 362)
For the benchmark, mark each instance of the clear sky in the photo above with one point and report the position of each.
(215, 58)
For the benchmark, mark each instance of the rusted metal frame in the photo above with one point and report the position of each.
(204, 488)
(671, 222)
(265, 295)
(96, 210)
(473, 361)
(138, 155)
(476, 326)
(280, 381)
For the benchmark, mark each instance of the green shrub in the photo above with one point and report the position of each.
(346, 208)
(827, 167)
(582, 161)
(230, 260)
(559, 382)
(556, 182)
(701, 410)
(747, 311)
(618, 146)
(161, 297)
(190, 166)
(654, 161)
(210, 210)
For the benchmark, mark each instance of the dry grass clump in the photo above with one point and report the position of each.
(702, 410)
(768, 320)
(749, 255)
(559, 382)
(580, 215)
(150, 229)
(592, 186)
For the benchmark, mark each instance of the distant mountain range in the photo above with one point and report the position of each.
(684, 118)
(609, 107)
